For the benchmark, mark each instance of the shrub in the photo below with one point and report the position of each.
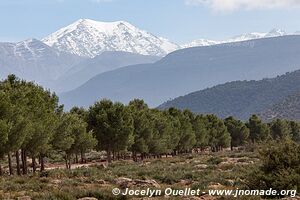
(280, 168)
(215, 160)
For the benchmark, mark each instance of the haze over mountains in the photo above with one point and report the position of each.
(192, 69)
(106, 61)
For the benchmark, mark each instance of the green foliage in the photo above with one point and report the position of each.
(258, 130)
(184, 129)
(295, 131)
(238, 131)
(161, 142)
(218, 134)
(201, 131)
(280, 129)
(280, 168)
(215, 160)
(4, 124)
(143, 126)
(112, 125)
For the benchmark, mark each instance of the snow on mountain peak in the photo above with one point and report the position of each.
(31, 49)
(89, 38)
(244, 37)
(200, 42)
(275, 33)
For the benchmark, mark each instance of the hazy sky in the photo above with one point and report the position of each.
(178, 20)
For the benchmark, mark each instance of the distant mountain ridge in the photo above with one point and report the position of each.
(239, 38)
(192, 69)
(242, 98)
(90, 38)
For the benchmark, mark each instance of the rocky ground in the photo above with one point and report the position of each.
(225, 170)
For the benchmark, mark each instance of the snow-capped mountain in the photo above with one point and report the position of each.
(33, 60)
(239, 38)
(90, 38)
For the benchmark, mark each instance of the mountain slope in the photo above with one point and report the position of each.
(90, 38)
(192, 69)
(239, 98)
(33, 60)
(106, 61)
(288, 108)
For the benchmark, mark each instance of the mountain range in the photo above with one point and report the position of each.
(89, 60)
(89, 38)
(191, 69)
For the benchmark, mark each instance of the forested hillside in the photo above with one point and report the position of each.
(288, 108)
(239, 98)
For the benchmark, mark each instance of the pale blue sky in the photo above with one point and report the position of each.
(178, 20)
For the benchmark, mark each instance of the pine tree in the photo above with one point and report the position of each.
(200, 124)
(64, 137)
(143, 128)
(183, 127)
(162, 133)
(218, 135)
(258, 130)
(112, 125)
(280, 129)
(238, 131)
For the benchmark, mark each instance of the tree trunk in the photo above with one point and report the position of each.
(108, 156)
(175, 153)
(82, 157)
(135, 159)
(114, 155)
(33, 164)
(18, 162)
(66, 162)
(24, 161)
(69, 165)
(76, 158)
(11, 171)
(42, 163)
(1, 171)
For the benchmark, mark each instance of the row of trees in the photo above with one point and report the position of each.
(34, 125)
